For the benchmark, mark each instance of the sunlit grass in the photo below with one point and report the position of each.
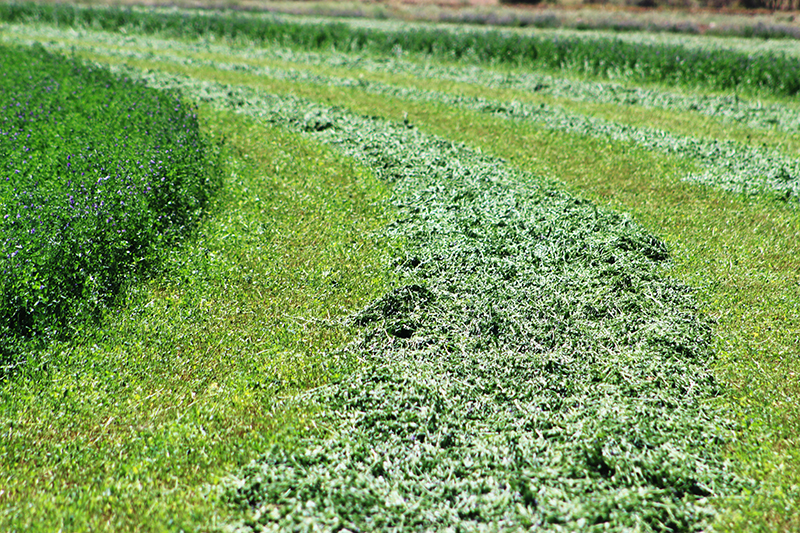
(742, 255)
(682, 123)
(694, 124)
(128, 427)
(740, 252)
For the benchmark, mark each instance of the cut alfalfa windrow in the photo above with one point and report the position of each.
(533, 368)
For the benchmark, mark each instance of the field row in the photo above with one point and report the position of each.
(531, 355)
(737, 164)
(769, 73)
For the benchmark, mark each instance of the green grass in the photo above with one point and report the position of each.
(742, 253)
(744, 163)
(739, 251)
(680, 122)
(690, 123)
(128, 427)
(534, 353)
(595, 55)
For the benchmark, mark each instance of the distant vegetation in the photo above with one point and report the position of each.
(775, 5)
(772, 73)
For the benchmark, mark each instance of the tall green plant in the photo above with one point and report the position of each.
(98, 174)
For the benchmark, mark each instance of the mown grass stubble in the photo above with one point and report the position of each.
(128, 427)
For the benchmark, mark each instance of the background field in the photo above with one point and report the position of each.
(737, 17)
(597, 256)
